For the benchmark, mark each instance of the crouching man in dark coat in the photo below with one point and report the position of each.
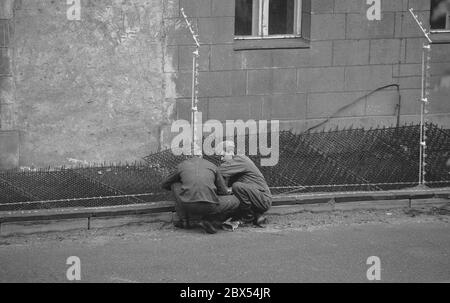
(248, 184)
(201, 195)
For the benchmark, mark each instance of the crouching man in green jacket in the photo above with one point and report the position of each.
(201, 195)
(248, 184)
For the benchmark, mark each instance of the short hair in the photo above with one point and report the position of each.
(224, 146)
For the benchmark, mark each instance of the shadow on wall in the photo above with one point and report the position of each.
(9, 149)
(445, 81)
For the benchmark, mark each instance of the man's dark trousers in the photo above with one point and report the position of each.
(196, 211)
(252, 198)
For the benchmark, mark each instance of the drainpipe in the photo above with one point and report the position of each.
(9, 137)
(7, 87)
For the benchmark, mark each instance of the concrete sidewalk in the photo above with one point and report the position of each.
(413, 246)
(140, 214)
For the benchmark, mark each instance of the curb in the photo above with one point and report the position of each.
(81, 218)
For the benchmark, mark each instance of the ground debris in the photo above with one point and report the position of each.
(295, 220)
(432, 211)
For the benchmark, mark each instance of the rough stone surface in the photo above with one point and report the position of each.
(90, 90)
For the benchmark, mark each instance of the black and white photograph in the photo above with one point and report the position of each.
(224, 148)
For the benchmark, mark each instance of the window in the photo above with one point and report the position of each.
(260, 19)
(440, 15)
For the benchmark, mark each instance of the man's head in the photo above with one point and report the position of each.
(226, 150)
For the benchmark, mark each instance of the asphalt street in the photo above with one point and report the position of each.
(410, 250)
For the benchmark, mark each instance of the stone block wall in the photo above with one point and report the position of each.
(348, 56)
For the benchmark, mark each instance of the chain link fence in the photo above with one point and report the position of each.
(334, 161)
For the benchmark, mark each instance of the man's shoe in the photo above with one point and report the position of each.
(216, 224)
(183, 224)
(260, 221)
(178, 224)
(208, 227)
(247, 218)
(231, 225)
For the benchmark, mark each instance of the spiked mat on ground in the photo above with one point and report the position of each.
(334, 161)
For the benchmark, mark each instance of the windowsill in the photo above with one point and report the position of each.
(254, 43)
(440, 36)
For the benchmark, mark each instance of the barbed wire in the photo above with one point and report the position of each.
(356, 185)
(272, 188)
(81, 199)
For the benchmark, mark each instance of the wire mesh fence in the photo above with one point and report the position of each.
(334, 161)
(80, 187)
(437, 160)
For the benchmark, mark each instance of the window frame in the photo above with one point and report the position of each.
(260, 22)
(440, 36)
(438, 31)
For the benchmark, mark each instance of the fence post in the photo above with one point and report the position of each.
(424, 100)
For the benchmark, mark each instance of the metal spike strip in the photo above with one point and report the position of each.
(351, 160)
(424, 30)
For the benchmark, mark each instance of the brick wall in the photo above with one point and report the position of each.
(348, 57)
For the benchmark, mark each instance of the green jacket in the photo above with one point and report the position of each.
(242, 169)
(200, 179)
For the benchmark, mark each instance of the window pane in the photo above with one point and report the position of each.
(439, 14)
(243, 19)
(281, 17)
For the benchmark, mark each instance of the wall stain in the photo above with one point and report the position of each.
(93, 89)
